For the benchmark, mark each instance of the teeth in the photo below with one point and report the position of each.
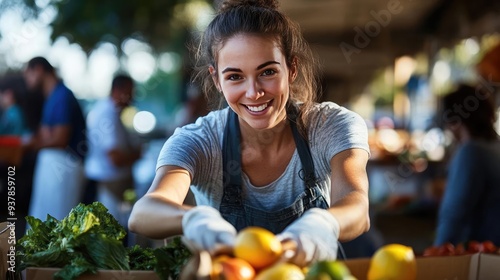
(258, 108)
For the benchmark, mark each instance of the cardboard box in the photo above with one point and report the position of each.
(11, 150)
(467, 267)
(36, 273)
(4, 247)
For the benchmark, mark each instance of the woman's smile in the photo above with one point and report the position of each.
(258, 109)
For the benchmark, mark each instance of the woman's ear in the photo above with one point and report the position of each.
(293, 70)
(213, 73)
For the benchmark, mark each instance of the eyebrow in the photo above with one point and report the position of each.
(230, 69)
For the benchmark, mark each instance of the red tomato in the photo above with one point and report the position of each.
(431, 251)
(446, 249)
(474, 247)
(459, 249)
(489, 247)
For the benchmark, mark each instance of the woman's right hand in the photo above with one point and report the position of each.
(207, 229)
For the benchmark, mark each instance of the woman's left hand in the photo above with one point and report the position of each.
(316, 236)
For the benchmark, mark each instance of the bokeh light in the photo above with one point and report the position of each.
(144, 122)
(141, 65)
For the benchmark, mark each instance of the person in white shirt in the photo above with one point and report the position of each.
(112, 149)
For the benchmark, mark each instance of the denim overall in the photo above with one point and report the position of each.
(234, 209)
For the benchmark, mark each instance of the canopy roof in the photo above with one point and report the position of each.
(355, 37)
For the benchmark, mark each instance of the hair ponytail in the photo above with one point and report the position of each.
(230, 4)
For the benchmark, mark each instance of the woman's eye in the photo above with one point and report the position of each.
(233, 77)
(268, 72)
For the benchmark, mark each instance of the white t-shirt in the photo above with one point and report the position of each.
(105, 132)
(198, 149)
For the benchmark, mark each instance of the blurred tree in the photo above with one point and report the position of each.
(160, 23)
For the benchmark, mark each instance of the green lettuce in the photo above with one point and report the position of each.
(86, 240)
(89, 239)
(171, 259)
(141, 258)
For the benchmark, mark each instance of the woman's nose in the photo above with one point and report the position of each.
(254, 92)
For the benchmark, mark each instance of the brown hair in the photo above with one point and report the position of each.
(261, 18)
(121, 81)
(474, 108)
(41, 62)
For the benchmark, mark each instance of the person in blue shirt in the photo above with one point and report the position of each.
(12, 121)
(61, 141)
(470, 208)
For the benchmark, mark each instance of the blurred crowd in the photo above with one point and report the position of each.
(62, 154)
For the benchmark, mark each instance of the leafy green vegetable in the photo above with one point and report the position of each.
(39, 231)
(86, 240)
(166, 261)
(141, 258)
(90, 238)
(91, 218)
(78, 266)
(171, 259)
(51, 257)
(106, 253)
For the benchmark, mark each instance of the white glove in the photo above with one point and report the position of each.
(316, 234)
(205, 227)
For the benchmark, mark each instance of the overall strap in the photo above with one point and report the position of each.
(231, 160)
(308, 174)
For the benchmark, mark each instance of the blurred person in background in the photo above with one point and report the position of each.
(194, 107)
(470, 207)
(112, 149)
(59, 175)
(24, 121)
(12, 120)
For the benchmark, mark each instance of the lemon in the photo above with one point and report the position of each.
(281, 271)
(393, 262)
(328, 270)
(257, 246)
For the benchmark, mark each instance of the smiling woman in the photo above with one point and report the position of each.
(273, 158)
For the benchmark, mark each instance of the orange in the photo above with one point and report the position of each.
(393, 262)
(228, 268)
(257, 246)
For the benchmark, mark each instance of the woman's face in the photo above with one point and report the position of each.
(253, 76)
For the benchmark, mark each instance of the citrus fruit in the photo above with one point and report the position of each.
(328, 270)
(281, 271)
(393, 262)
(228, 268)
(257, 246)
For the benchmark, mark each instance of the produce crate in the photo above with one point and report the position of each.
(5, 246)
(465, 267)
(11, 150)
(37, 273)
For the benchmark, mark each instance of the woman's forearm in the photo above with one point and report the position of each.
(352, 214)
(156, 217)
